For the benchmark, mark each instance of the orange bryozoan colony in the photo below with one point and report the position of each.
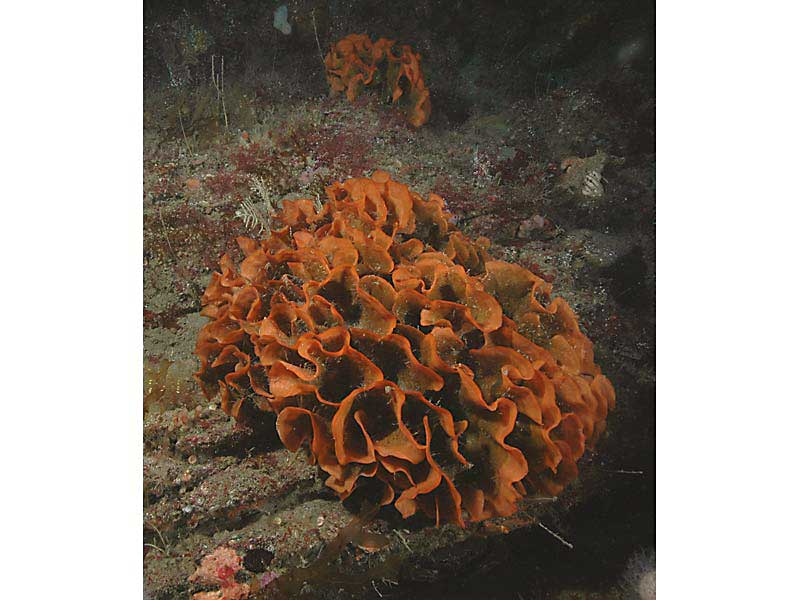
(356, 62)
(402, 356)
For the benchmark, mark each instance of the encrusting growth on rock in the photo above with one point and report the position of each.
(219, 569)
(402, 355)
(356, 62)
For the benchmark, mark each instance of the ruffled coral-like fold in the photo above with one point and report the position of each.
(369, 421)
(400, 206)
(298, 213)
(393, 355)
(397, 353)
(355, 62)
(356, 307)
(298, 425)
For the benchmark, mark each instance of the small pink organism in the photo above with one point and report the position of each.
(220, 568)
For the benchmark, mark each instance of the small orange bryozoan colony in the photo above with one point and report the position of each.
(356, 62)
(403, 356)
